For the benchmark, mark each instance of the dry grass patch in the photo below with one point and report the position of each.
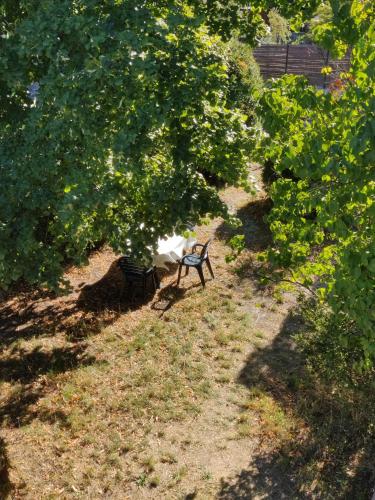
(91, 421)
(264, 417)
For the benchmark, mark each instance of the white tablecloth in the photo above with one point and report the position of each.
(170, 250)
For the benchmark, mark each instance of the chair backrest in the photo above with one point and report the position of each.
(204, 251)
(128, 267)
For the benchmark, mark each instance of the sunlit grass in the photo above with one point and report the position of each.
(263, 416)
(157, 369)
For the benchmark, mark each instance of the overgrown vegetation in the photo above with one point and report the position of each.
(321, 343)
(322, 148)
(245, 81)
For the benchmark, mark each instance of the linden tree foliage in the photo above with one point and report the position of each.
(108, 111)
(323, 147)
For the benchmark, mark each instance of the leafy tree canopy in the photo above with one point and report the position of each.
(323, 218)
(108, 111)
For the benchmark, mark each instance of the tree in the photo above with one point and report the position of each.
(323, 219)
(108, 112)
(245, 81)
(278, 30)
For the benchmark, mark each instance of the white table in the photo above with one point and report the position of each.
(170, 250)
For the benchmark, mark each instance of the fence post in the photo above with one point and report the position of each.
(286, 58)
(325, 74)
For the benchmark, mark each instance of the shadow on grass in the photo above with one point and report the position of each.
(5, 484)
(26, 366)
(28, 313)
(167, 298)
(27, 370)
(257, 233)
(31, 374)
(171, 295)
(330, 455)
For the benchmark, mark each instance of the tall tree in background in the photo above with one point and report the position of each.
(278, 31)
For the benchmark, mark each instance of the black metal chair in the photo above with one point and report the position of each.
(137, 277)
(196, 260)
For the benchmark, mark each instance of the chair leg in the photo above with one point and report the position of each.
(210, 268)
(187, 270)
(200, 272)
(179, 274)
(157, 280)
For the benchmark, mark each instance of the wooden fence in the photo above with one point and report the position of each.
(307, 60)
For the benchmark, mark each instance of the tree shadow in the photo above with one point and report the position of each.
(265, 478)
(106, 300)
(169, 296)
(256, 231)
(25, 366)
(27, 370)
(28, 313)
(5, 484)
(30, 373)
(330, 454)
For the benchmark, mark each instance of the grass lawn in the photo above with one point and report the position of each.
(196, 393)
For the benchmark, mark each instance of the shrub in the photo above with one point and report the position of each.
(246, 82)
(322, 345)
